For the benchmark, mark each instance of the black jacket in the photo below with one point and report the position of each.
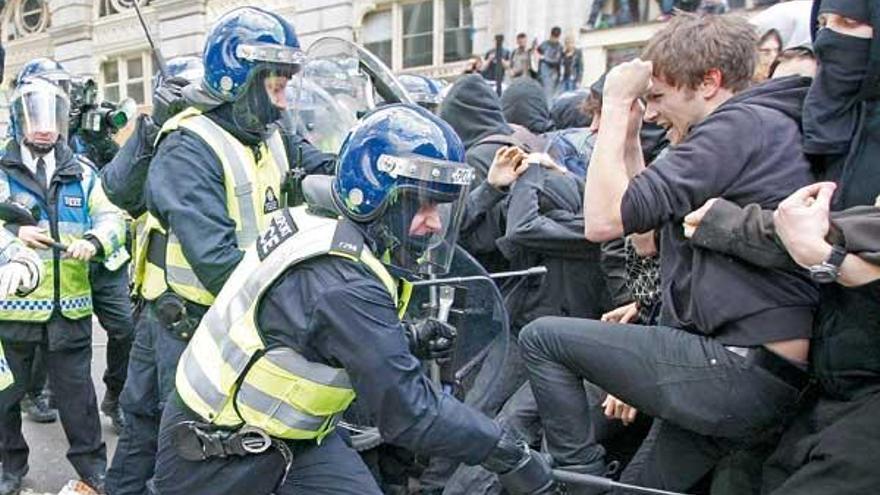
(747, 151)
(473, 110)
(524, 103)
(567, 110)
(545, 226)
(335, 311)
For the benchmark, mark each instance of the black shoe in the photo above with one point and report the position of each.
(110, 407)
(96, 483)
(37, 410)
(10, 484)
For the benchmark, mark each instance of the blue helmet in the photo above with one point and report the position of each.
(45, 68)
(401, 171)
(190, 68)
(243, 43)
(423, 90)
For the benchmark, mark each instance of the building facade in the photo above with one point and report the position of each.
(103, 39)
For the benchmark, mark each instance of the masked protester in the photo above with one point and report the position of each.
(216, 176)
(310, 319)
(830, 228)
(72, 222)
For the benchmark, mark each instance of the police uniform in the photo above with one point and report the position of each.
(207, 199)
(57, 314)
(307, 322)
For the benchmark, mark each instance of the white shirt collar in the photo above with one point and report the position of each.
(30, 161)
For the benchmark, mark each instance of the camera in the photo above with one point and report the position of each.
(88, 113)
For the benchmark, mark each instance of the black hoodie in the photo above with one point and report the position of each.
(473, 110)
(567, 110)
(524, 104)
(747, 151)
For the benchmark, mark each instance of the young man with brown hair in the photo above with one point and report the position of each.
(727, 359)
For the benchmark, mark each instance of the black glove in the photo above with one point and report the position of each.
(430, 339)
(520, 470)
(168, 99)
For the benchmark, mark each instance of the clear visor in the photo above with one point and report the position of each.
(425, 212)
(273, 54)
(316, 115)
(41, 112)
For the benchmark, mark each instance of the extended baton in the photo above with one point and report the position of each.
(605, 483)
(160, 60)
(531, 272)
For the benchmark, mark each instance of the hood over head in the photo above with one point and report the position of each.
(785, 94)
(473, 110)
(567, 110)
(524, 103)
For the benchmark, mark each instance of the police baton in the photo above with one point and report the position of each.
(11, 212)
(605, 483)
(531, 272)
(157, 54)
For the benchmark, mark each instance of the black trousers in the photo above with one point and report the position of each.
(112, 305)
(706, 400)
(330, 468)
(830, 447)
(70, 373)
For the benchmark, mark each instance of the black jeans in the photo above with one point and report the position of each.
(706, 400)
(70, 373)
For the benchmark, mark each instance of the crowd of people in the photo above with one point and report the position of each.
(706, 216)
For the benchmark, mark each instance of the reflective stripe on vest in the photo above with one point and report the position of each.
(228, 377)
(74, 298)
(250, 187)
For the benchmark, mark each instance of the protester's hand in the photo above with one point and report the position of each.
(693, 219)
(34, 237)
(14, 277)
(644, 244)
(802, 221)
(628, 80)
(507, 166)
(82, 250)
(546, 161)
(617, 409)
(623, 314)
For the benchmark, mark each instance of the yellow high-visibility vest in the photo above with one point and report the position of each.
(253, 192)
(226, 374)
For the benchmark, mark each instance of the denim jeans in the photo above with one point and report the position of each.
(706, 400)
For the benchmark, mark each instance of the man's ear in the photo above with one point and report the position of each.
(711, 84)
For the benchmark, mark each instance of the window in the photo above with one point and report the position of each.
(26, 17)
(376, 35)
(458, 41)
(110, 7)
(418, 34)
(127, 77)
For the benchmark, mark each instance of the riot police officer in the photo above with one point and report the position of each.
(75, 223)
(216, 176)
(310, 320)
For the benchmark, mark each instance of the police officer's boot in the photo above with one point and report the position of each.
(10, 484)
(110, 407)
(37, 409)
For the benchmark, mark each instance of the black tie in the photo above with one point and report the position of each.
(41, 173)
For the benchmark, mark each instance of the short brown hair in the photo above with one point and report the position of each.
(691, 45)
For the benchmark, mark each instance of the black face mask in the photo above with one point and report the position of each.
(254, 111)
(830, 118)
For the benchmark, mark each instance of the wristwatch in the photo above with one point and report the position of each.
(827, 271)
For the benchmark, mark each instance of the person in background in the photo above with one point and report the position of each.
(769, 46)
(521, 58)
(524, 104)
(800, 60)
(572, 65)
(550, 54)
(474, 65)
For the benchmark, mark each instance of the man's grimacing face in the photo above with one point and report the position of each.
(676, 109)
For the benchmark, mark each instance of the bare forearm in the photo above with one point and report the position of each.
(855, 272)
(607, 179)
(635, 159)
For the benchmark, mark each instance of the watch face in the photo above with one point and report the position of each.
(824, 273)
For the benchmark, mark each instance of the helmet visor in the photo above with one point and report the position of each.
(264, 103)
(424, 212)
(41, 112)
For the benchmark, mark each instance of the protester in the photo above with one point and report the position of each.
(521, 58)
(701, 67)
(769, 47)
(572, 65)
(800, 61)
(524, 104)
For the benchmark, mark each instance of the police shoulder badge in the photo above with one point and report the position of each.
(281, 228)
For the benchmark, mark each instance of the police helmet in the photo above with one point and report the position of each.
(39, 113)
(45, 68)
(401, 171)
(423, 90)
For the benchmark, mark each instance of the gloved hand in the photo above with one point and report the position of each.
(17, 278)
(168, 99)
(430, 339)
(520, 470)
(82, 249)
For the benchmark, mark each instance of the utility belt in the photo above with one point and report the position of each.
(179, 316)
(196, 441)
(777, 365)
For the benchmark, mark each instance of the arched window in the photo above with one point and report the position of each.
(110, 7)
(26, 17)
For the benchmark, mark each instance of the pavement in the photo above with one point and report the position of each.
(49, 469)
